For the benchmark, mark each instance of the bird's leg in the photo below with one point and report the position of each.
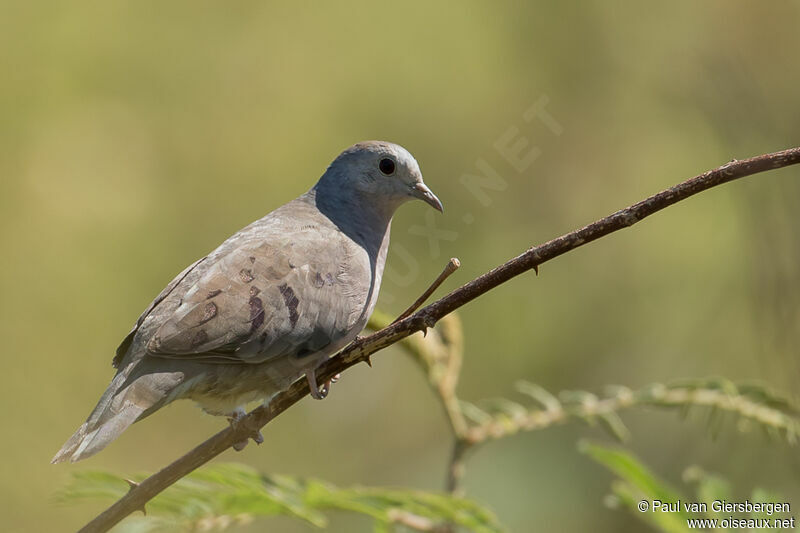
(234, 419)
(319, 393)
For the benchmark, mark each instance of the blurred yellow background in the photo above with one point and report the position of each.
(136, 136)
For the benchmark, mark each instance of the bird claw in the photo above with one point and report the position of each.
(234, 419)
(319, 393)
(236, 416)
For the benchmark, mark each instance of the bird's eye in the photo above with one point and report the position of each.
(387, 166)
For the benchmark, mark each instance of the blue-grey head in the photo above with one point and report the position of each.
(377, 174)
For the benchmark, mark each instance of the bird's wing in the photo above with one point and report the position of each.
(288, 295)
(122, 349)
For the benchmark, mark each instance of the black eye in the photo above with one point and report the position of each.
(387, 166)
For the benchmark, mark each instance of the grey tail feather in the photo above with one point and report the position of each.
(116, 410)
(89, 440)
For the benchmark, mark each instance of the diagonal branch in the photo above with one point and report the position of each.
(361, 349)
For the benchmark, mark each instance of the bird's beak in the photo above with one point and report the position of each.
(421, 191)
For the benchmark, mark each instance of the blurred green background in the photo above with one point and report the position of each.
(136, 136)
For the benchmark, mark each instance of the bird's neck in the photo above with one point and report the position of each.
(365, 222)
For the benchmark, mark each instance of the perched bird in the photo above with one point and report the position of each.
(268, 306)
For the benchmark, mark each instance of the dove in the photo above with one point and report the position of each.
(268, 306)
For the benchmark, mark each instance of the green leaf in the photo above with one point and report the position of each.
(639, 483)
(514, 410)
(614, 425)
(764, 496)
(548, 401)
(475, 413)
(709, 487)
(628, 496)
(221, 496)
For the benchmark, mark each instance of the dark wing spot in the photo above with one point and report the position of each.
(291, 265)
(329, 279)
(252, 259)
(201, 337)
(246, 275)
(291, 302)
(256, 313)
(213, 293)
(209, 312)
(262, 338)
(318, 281)
(254, 291)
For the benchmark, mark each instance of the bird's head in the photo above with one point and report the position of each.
(381, 173)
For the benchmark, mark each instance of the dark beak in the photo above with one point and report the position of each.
(421, 191)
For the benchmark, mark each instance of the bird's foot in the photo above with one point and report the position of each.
(236, 416)
(234, 419)
(319, 393)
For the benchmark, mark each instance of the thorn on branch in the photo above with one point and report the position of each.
(132, 485)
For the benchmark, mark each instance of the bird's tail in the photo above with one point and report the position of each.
(124, 402)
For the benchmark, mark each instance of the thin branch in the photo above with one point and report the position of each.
(440, 355)
(782, 418)
(427, 317)
(456, 467)
(451, 267)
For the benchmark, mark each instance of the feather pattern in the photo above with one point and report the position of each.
(265, 307)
